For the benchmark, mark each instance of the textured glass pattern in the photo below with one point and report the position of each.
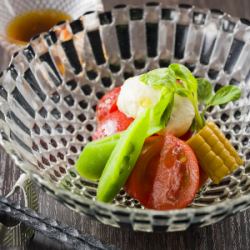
(49, 92)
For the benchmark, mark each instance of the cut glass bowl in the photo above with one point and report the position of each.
(49, 93)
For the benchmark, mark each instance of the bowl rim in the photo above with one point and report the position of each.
(60, 193)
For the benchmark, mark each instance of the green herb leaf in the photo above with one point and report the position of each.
(204, 90)
(180, 90)
(189, 84)
(158, 78)
(183, 73)
(224, 95)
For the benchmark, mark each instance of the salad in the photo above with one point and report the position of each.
(153, 140)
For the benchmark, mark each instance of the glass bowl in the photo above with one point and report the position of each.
(49, 93)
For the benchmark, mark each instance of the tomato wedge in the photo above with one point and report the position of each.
(107, 104)
(111, 124)
(139, 185)
(166, 175)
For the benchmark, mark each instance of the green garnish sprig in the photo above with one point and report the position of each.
(208, 99)
(197, 90)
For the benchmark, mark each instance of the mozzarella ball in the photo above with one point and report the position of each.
(135, 97)
(181, 117)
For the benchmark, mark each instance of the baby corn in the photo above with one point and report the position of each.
(215, 153)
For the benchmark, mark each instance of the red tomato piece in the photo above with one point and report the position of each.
(107, 104)
(140, 182)
(166, 176)
(177, 176)
(111, 124)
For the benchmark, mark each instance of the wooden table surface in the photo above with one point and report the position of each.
(232, 233)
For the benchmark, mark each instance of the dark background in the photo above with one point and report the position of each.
(231, 233)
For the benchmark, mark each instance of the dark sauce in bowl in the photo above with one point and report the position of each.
(23, 27)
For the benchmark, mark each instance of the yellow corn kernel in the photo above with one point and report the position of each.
(203, 163)
(195, 141)
(208, 135)
(225, 141)
(218, 147)
(214, 162)
(199, 145)
(217, 170)
(228, 160)
(221, 172)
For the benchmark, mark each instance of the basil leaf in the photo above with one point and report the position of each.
(184, 74)
(180, 90)
(158, 78)
(224, 95)
(204, 90)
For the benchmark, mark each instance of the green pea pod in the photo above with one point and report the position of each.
(94, 157)
(123, 158)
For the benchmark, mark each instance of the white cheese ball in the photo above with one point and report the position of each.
(181, 117)
(135, 97)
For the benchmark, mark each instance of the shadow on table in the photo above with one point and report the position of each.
(40, 242)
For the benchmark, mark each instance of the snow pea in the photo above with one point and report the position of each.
(123, 158)
(94, 156)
